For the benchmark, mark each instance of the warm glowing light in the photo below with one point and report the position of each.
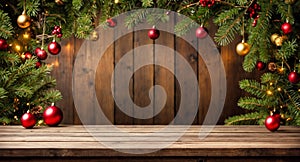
(269, 92)
(18, 47)
(281, 70)
(271, 83)
(26, 36)
(279, 89)
(117, 1)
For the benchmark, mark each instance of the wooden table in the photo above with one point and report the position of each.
(75, 143)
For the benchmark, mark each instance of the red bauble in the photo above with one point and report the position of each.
(41, 54)
(201, 32)
(272, 123)
(28, 120)
(153, 33)
(52, 116)
(111, 22)
(294, 77)
(54, 48)
(38, 64)
(260, 65)
(3, 44)
(28, 55)
(286, 28)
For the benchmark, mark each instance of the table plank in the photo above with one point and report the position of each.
(75, 140)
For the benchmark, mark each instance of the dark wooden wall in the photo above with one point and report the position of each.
(146, 77)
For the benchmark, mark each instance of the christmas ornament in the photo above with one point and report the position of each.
(28, 120)
(54, 48)
(41, 53)
(272, 66)
(252, 11)
(201, 32)
(207, 3)
(57, 31)
(153, 33)
(52, 115)
(272, 123)
(273, 37)
(94, 36)
(59, 2)
(242, 48)
(289, 2)
(111, 22)
(260, 65)
(38, 64)
(27, 55)
(3, 44)
(286, 28)
(23, 20)
(278, 41)
(294, 77)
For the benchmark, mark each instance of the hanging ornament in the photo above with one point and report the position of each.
(286, 28)
(52, 115)
(294, 77)
(272, 66)
(111, 22)
(278, 41)
(208, 3)
(201, 32)
(40, 53)
(242, 48)
(27, 55)
(289, 2)
(260, 65)
(38, 64)
(59, 2)
(273, 37)
(3, 44)
(57, 31)
(23, 20)
(153, 33)
(94, 36)
(28, 120)
(272, 123)
(54, 48)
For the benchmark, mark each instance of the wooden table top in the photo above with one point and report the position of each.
(75, 140)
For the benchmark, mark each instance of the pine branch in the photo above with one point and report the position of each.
(184, 26)
(252, 103)
(253, 87)
(6, 28)
(249, 119)
(136, 18)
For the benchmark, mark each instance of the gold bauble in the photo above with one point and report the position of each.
(273, 37)
(272, 66)
(242, 48)
(289, 2)
(94, 36)
(59, 2)
(23, 20)
(278, 41)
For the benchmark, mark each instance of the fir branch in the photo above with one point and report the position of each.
(226, 33)
(6, 28)
(250, 118)
(252, 103)
(253, 87)
(136, 18)
(147, 3)
(184, 26)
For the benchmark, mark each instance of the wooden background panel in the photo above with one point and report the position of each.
(144, 78)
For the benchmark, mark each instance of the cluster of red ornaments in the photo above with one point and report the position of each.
(52, 117)
(57, 31)
(207, 3)
(253, 12)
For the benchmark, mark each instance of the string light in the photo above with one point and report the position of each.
(279, 89)
(269, 92)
